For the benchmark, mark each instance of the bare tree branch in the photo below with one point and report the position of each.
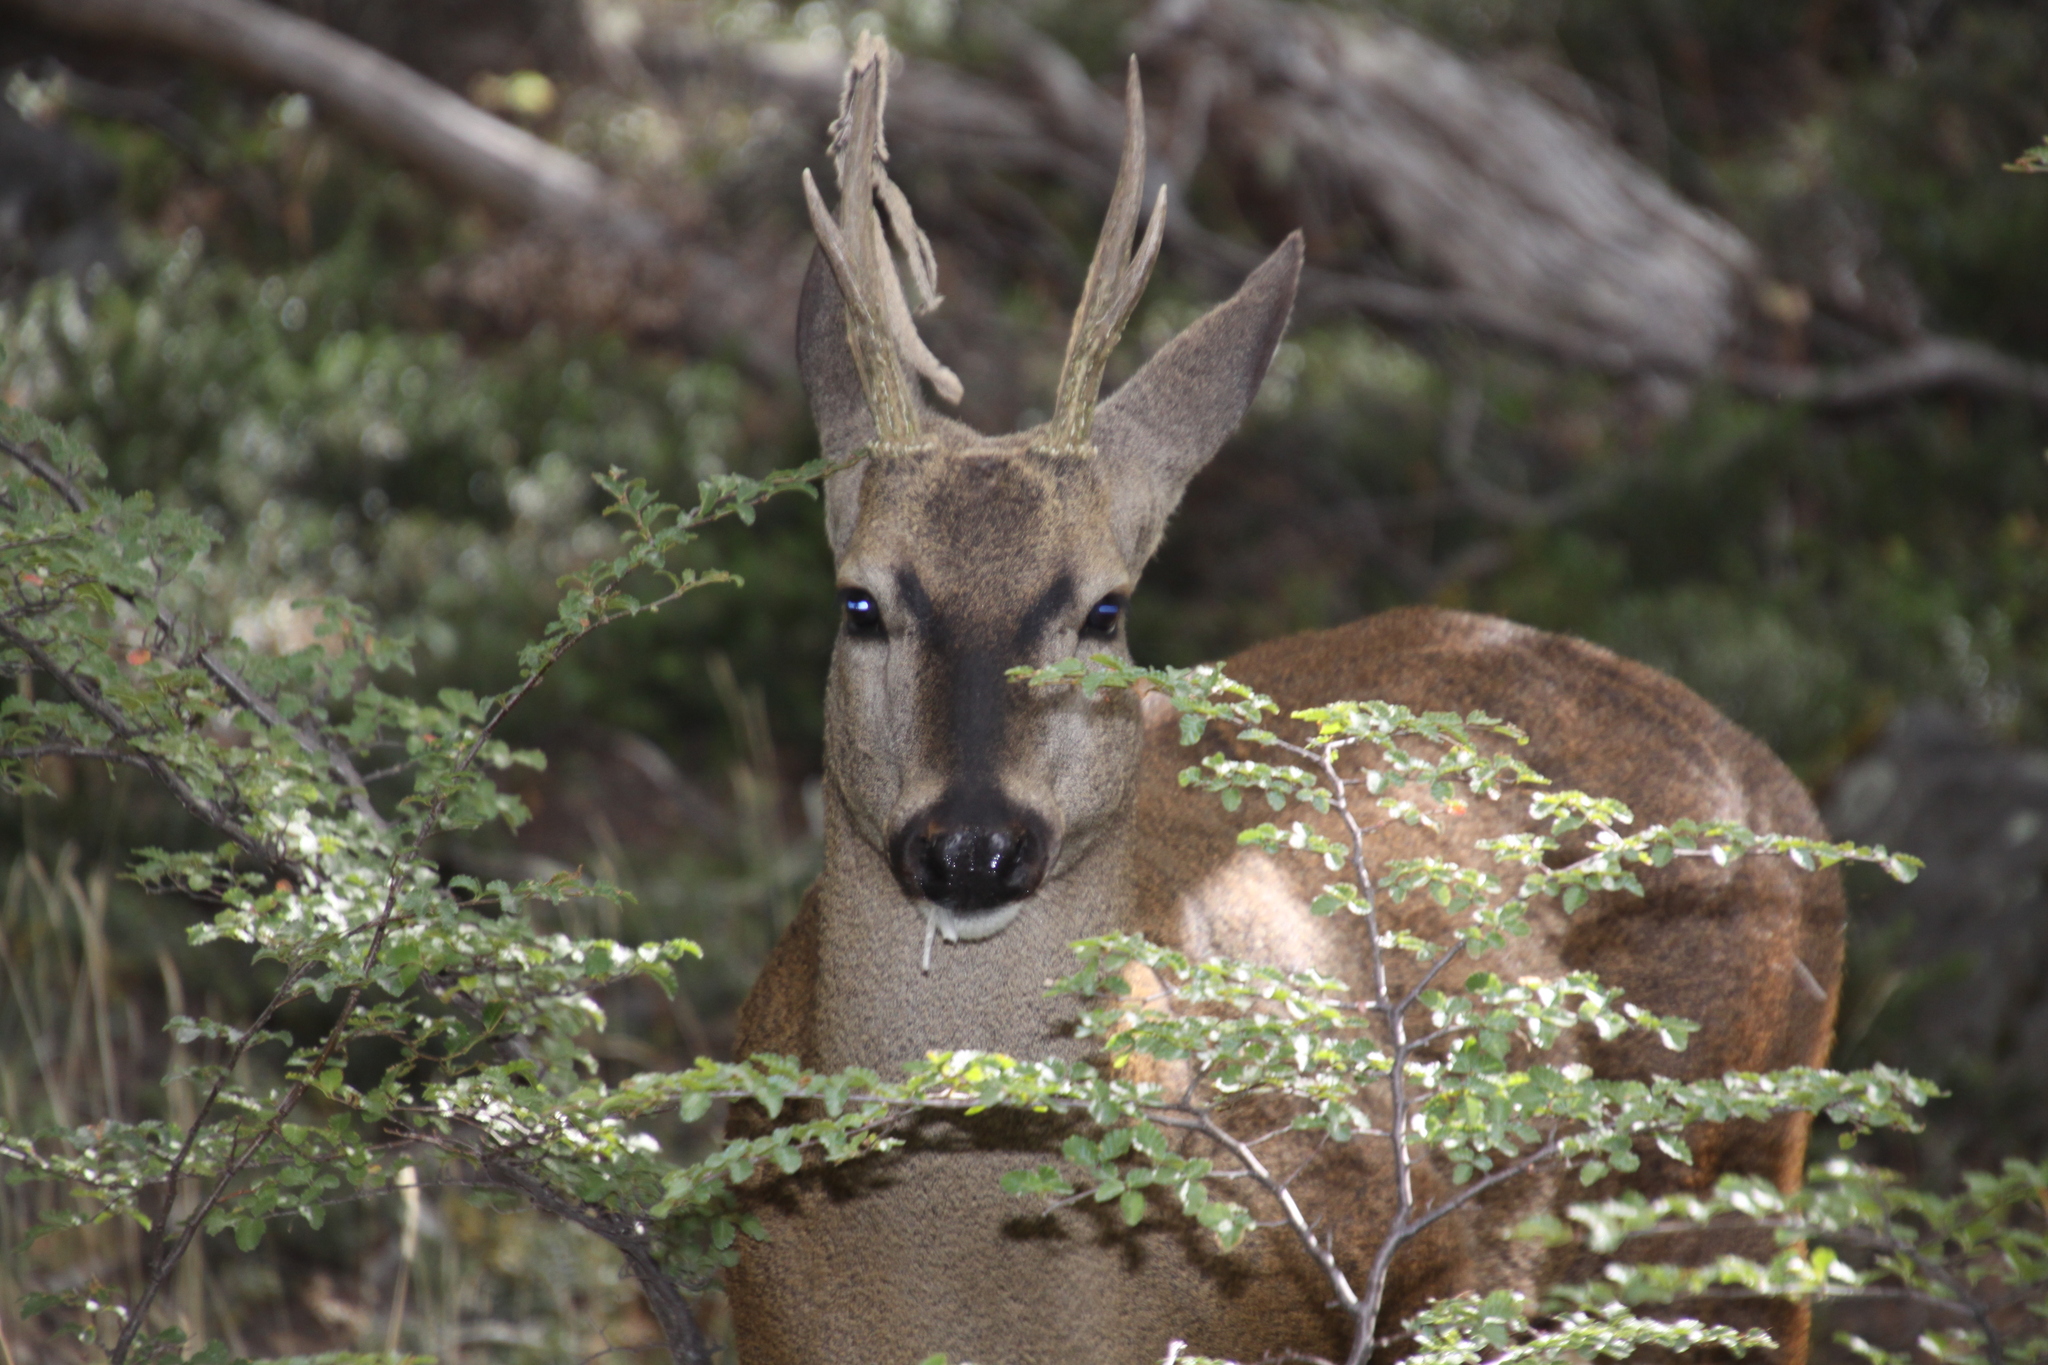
(386, 101)
(1930, 364)
(1548, 238)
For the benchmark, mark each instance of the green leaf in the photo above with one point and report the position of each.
(1132, 1205)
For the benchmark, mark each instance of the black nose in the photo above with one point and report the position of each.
(969, 864)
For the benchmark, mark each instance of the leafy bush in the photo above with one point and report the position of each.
(458, 1039)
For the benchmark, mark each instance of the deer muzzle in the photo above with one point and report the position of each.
(971, 861)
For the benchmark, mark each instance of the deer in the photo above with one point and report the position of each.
(975, 827)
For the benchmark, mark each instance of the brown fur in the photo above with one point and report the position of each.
(984, 553)
(892, 1260)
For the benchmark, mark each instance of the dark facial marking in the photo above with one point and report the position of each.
(971, 850)
(917, 603)
(1052, 605)
(968, 662)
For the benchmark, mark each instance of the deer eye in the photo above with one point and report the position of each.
(1102, 619)
(863, 617)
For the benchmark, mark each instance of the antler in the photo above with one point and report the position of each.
(1116, 280)
(879, 329)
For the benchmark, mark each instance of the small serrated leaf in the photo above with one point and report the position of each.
(1131, 1204)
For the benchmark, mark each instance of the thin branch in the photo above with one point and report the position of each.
(1521, 1165)
(1327, 295)
(663, 1298)
(32, 458)
(200, 807)
(1429, 977)
(1505, 506)
(1972, 1307)
(121, 756)
(239, 1162)
(1340, 1284)
(671, 1311)
(154, 1253)
(312, 740)
(1930, 364)
(1321, 1145)
(1382, 1002)
(1878, 1292)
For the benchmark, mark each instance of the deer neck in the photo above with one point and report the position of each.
(877, 1004)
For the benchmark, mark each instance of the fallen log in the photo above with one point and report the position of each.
(1519, 212)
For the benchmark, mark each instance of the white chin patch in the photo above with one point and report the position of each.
(939, 922)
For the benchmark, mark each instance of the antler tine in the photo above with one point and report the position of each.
(850, 243)
(879, 329)
(1116, 280)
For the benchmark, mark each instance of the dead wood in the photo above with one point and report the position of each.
(1510, 218)
(385, 101)
(1533, 229)
(591, 256)
(1537, 226)
(1929, 364)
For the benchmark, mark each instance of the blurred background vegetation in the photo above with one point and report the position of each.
(374, 387)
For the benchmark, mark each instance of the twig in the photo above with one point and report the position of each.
(200, 807)
(31, 458)
(121, 756)
(155, 1253)
(1521, 1165)
(1318, 1251)
(671, 1311)
(237, 1163)
(1502, 505)
(221, 672)
(1929, 364)
(312, 740)
(665, 1301)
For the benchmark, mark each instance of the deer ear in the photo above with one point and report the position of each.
(832, 383)
(1171, 417)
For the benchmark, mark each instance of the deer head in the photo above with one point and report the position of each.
(960, 555)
